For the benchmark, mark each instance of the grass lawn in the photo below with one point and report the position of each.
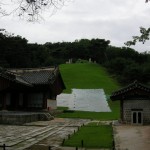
(93, 136)
(114, 115)
(90, 76)
(87, 76)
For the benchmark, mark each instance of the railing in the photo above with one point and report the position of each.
(3, 146)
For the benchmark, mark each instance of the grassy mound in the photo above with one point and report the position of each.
(87, 76)
(90, 76)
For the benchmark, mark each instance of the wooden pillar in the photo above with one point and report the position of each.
(4, 102)
(121, 110)
(16, 100)
(44, 101)
(25, 101)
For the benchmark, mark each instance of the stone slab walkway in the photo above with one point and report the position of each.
(93, 100)
(33, 134)
(42, 134)
(129, 137)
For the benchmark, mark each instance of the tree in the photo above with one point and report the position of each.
(98, 49)
(145, 33)
(32, 9)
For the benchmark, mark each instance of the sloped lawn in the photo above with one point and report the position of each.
(90, 76)
(87, 76)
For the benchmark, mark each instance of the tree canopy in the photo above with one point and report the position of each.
(30, 9)
(145, 34)
(124, 63)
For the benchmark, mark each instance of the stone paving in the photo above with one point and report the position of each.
(38, 134)
(93, 100)
(42, 134)
(128, 137)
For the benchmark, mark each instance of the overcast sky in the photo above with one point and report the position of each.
(114, 20)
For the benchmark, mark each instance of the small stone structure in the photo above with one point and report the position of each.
(69, 61)
(90, 60)
(134, 103)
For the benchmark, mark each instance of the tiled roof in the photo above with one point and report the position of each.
(7, 75)
(131, 87)
(20, 80)
(38, 77)
(31, 76)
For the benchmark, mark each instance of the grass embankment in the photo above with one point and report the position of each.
(92, 136)
(87, 76)
(90, 76)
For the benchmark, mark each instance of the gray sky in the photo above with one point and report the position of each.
(114, 20)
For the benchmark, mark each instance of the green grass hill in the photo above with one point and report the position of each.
(90, 76)
(87, 76)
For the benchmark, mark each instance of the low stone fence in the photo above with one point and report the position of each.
(19, 118)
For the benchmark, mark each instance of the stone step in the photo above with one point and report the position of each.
(31, 141)
(23, 137)
(11, 136)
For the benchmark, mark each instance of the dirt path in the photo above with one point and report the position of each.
(132, 137)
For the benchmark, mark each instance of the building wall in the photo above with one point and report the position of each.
(35, 100)
(51, 104)
(128, 105)
(4, 83)
(1, 100)
(18, 101)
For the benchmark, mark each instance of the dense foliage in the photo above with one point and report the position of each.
(145, 34)
(128, 65)
(124, 63)
(15, 52)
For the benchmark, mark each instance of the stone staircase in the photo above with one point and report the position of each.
(45, 117)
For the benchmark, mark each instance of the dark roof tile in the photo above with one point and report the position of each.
(31, 76)
(133, 86)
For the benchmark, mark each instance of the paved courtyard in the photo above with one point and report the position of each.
(129, 137)
(42, 134)
(38, 135)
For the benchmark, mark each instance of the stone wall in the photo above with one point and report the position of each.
(20, 118)
(51, 104)
(128, 105)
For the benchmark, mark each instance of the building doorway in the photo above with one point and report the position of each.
(137, 117)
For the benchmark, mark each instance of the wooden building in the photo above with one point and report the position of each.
(134, 103)
(30, 89)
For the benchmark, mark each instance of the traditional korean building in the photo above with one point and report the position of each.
(30, 89)
(134, 103)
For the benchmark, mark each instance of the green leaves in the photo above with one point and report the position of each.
(145, 33)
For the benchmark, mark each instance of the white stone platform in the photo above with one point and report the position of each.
(84, 100)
